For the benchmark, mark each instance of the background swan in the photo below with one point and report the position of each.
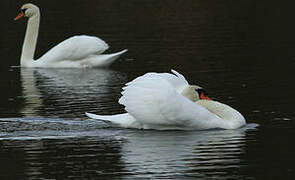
(75, 52)
(166, 101)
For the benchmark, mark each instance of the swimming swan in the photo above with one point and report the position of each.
(75, 52)
(165, 101)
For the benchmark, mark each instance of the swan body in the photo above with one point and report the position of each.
(165, 101)
(76, 52)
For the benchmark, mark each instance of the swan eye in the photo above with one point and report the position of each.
(200, 91)
(24, 10)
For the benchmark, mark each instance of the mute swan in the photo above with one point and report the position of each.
(75, 52)
(165, 101)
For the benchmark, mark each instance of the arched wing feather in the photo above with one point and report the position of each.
(152, 99)
(176, 79)
(76, 48)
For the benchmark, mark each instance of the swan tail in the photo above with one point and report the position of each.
(115, 54)
(119, 53)
(100, 117)
(122, 120)
(105, 60)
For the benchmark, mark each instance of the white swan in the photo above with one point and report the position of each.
(75, 52)
(165, 101)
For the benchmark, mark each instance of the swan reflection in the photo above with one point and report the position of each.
(68, 92)
(184, 153)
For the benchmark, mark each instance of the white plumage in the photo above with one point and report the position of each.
(157, 101)
(76, 48)
(75, 52)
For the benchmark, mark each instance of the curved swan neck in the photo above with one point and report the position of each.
(30, 41)
(217, 108)
(232, 118)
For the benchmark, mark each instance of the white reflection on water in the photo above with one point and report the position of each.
(60, 92)
(30, 92)
(184, 153)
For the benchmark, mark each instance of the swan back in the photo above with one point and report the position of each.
(76, 48)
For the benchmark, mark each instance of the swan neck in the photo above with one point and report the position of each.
(232, 118)
(219, 109)
(30, 41)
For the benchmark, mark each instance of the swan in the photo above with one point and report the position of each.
(166, 101)
(76, 52)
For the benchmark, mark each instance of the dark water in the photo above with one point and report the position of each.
(241, 51)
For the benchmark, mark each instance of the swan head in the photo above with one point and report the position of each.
(195, 93)
(27, 10)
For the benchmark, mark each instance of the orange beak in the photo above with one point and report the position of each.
(204, 97)
(20, 15)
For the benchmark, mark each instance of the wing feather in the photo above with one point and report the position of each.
(153, 100)
(176, 79)
(76, 48)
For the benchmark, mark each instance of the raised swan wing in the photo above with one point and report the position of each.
(176, 79)
(153, 100)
